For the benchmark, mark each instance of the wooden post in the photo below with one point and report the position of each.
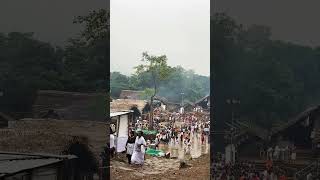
(118, 127)
(118, 124)
(132, 121)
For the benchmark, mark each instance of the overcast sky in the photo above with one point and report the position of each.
(290, 20)
(177, 28)
(50, 20)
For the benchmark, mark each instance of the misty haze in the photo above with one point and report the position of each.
(53, 89)
(266, 96)
(160, 71)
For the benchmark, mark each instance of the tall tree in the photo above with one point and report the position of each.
(159, 70)
(87, 55)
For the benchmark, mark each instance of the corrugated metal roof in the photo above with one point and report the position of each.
(207, 96)
(5, 154)
(114, 114)
(11, 167)
(11, 163)
(301, 116)
(4, 157)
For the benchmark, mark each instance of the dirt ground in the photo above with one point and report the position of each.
(162, 169)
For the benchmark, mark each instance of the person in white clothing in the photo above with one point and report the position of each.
(309, 176)
(270, 153)
(139, 149)
(130, 146)
(276, 153)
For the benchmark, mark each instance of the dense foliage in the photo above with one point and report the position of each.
(28, 64)
(273, 79)
(178, 81)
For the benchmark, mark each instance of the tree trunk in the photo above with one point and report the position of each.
(151, 115)
(151, 106)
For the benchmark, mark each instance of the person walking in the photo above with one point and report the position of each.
(139, 149)
(130, 146)
(202, 138)
(157, 142)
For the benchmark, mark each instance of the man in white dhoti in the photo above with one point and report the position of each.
(269, 153)
(157, 142)
(139, 149)
(293, 156)
(276, 153)
(309, 176)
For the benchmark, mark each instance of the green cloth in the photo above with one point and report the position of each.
(154, 152)
(147, 132)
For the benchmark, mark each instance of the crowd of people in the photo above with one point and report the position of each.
(183, 136)
(172, 129)
(246, 171)
(278, 153)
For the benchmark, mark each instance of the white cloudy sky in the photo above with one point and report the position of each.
(179, 29)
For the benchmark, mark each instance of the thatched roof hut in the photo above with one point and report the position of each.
(52, 136)
(70, 105)
(203, 102)
(126, 104)
(130, 94)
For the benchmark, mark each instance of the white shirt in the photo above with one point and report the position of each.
(276, 150)
(139, 141)
(112, 141)
(313, 134)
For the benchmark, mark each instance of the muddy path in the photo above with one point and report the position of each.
(162, 168)
(199, 169)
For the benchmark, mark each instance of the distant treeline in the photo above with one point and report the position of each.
(273, 79)
(28, 64)
(179, 81)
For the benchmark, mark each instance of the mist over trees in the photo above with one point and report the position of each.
(179, 81)
(28, 64)
(274, 79)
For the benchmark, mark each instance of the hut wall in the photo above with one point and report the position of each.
(123, 133)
